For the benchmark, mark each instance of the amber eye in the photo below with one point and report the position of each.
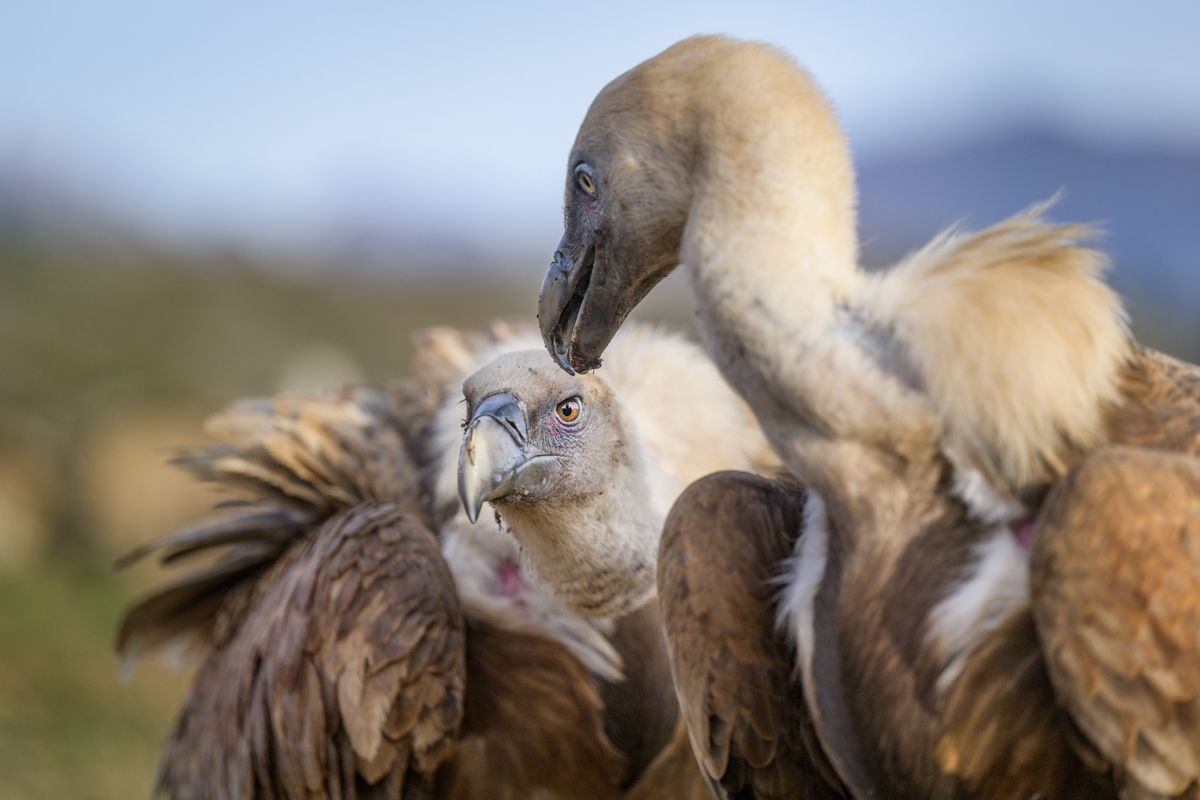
(568, 410)
(584, 179)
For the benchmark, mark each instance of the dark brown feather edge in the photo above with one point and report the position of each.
(340, 673)
(724, 544)
(292, 463)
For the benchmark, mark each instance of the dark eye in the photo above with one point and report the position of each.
(585, 179)
(568, 410)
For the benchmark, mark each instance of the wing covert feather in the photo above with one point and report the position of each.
(1161, 408)
(723, 546)
(1116, 586)
(344, 675)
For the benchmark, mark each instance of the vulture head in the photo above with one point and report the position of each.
(563, 468)
(641, 154)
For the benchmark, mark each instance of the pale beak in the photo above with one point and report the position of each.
(494, 461)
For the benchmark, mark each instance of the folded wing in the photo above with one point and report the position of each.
(723, 548)
(1116, 587)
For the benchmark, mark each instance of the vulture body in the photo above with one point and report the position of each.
(995, 589)
(358, 636)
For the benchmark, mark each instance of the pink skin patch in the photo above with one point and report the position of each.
(509, 582)
(1023, 530)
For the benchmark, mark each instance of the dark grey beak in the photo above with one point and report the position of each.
(585, 297)
(494, 461)
(559, 302)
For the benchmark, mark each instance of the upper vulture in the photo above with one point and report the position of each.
(360, 637)
(997, 588)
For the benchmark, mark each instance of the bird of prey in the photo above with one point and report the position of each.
(359, 636)
(995, 589)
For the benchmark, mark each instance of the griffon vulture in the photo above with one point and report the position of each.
(361, 637)
(996, 592)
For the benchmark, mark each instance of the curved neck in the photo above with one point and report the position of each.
(773, 215)
(596, 554)
(771, 239)
(771, 248)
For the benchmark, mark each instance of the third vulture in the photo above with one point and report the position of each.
(994, 578)
(361, 635)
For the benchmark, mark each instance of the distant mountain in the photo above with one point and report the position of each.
(36, 201)
(1147, 199)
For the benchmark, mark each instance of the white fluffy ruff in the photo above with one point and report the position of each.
(1016, 335)
(801, 579)
(997, 587)
(986, 504)
(687, 419)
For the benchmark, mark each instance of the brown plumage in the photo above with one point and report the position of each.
(345, 652)
(1102, 666)
(1116, 568)
(717, 577)
(1054, 702)
(928, 408)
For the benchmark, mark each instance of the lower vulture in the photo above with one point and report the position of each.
(360, 636)
(994, 580)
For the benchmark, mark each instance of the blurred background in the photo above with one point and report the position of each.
(202, 201)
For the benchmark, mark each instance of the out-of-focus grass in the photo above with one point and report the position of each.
(68, 726)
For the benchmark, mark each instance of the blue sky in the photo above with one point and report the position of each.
(264, 118)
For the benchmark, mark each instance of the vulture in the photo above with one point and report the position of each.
(360, 634)
(988, 574)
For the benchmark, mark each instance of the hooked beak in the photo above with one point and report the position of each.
(584, 300)
(560, 300)
(494, 460)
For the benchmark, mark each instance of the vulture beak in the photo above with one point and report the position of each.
(494, 461)
(585, 297)
(582, 304)
(560, 300)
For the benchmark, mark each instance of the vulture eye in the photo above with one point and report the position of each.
(568, 410)
(585, 179)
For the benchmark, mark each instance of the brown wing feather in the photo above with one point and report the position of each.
(291, 463)
(343, 674)
(1116, 586)
(316, 454)
(723, 545)
(534, 722)
(1000, 733)
(182, 613)
(673, 773)
(301, 696)
(640, 708)
(1161, 408)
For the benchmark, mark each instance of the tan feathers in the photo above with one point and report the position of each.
(1018, 339)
